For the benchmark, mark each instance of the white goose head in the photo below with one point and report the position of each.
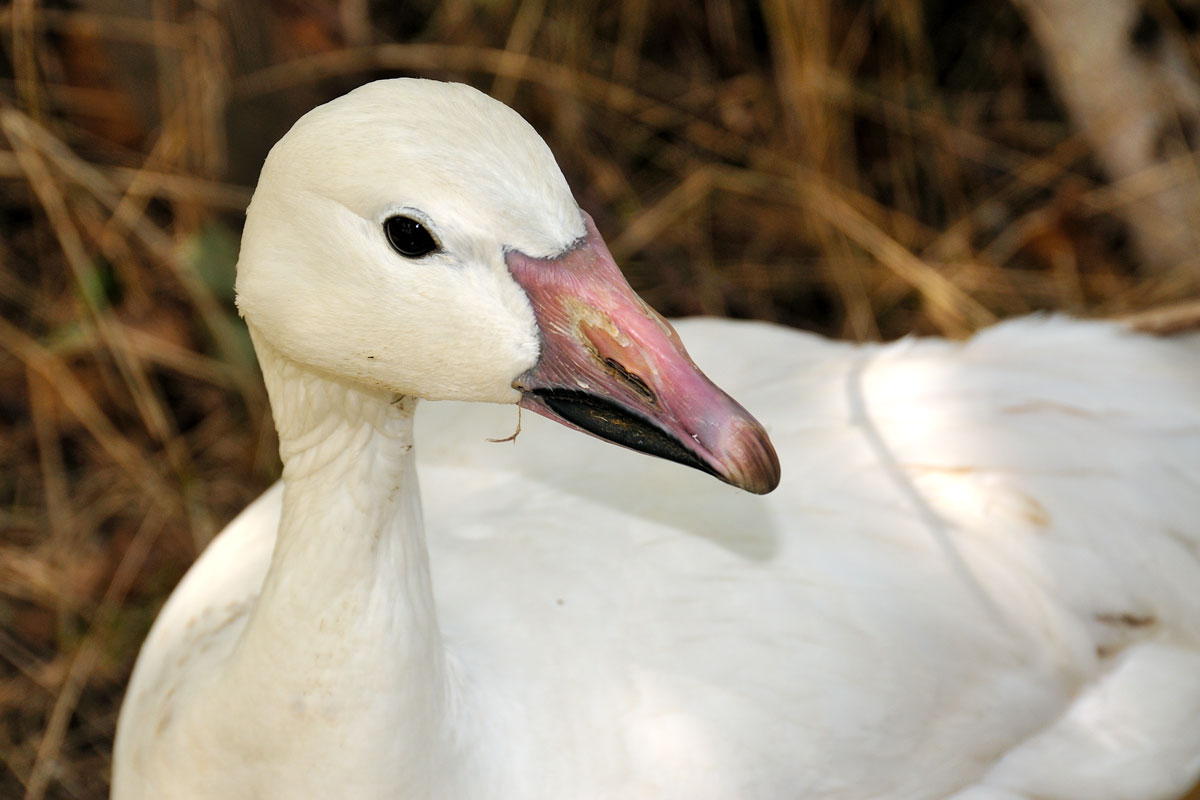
(418, 237)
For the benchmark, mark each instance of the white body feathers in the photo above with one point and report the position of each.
(980, 580)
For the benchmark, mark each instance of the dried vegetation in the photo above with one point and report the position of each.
(865, 169)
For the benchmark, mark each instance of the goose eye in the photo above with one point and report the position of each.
(408, 237)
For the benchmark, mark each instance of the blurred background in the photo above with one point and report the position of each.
(863, 169)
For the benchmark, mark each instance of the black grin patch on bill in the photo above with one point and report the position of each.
(608, 420)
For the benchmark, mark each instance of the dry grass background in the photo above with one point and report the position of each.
(865, 169)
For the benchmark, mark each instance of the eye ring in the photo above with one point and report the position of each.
(409, 237)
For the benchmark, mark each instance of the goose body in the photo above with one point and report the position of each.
(977, 579)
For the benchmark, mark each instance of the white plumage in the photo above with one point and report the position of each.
(979, 578)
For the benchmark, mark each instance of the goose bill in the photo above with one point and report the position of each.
(612, 366)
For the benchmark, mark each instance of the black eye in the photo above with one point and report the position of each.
(408, 237)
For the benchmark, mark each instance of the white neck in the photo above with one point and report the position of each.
(342, 650)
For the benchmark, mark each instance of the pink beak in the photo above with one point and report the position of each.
(611, 366)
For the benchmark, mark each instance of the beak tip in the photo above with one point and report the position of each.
(752, 462)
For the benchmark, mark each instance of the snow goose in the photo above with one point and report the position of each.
(978, 579)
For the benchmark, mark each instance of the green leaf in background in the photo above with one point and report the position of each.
(98, 285)
(211, 254)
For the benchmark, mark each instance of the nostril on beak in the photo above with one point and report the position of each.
(631, 380)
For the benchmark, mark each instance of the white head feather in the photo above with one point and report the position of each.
(319, 282)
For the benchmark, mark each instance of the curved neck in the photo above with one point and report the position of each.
(343, 642)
